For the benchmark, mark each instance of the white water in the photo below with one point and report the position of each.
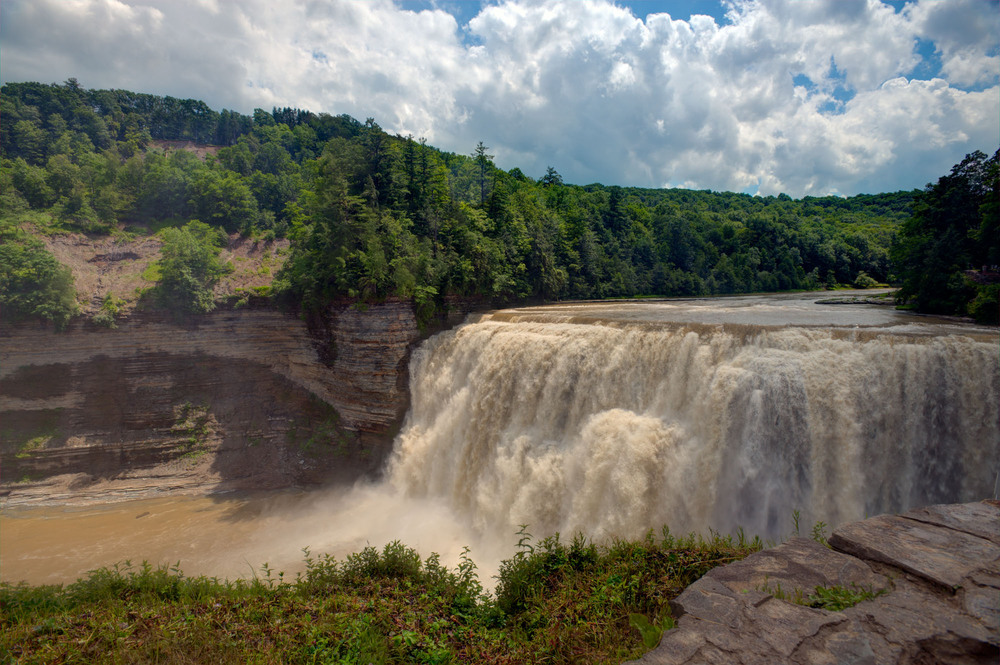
(611, 419)
(615, 419)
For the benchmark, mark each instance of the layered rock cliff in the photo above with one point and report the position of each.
(245, 399)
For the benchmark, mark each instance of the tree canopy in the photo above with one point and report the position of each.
(32, 282)
(190, 267)
(372, 215)
(954, 233)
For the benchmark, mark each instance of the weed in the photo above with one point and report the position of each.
(651, 631)
(794, 596)
(33, 445)
(110, 309)
(195, 425)
(152, 272)
(833, 598)
(819, 533)
(838, 598)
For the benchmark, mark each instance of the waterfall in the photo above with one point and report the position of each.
(613, 428)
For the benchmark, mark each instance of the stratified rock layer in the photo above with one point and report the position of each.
(279, 404)
(938, 569)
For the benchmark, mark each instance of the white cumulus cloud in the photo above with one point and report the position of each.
(802, 97)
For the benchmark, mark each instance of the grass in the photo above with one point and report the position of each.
(152, 272)
(195, 425)
(835, 598)
(25, 444)
(33, 445)
(555, 603)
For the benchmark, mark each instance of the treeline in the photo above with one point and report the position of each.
(948, 251)
(372, 214)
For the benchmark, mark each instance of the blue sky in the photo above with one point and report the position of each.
(806, 97)
(465, 10)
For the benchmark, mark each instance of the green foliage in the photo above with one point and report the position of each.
(110, 308)
(795, 596)
(985, 306)
(651, 632)
(194, 424)
(32, 445)
(377, 606)
(32, 283)
(555, 595)
(863, 281)
(838, 598)
(373, 216)
(819, 533)
(953, 229)
(190, 267)
(835, 598)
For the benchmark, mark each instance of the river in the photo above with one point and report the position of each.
(608, 418)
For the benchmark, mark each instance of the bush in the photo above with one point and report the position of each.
(110, 309)
(864, 281)
(190, 267)
(985, 307)
(32, 282)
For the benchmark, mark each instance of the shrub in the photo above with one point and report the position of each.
(32, 282)
(864, 281)
(190, 267)
(985, 307)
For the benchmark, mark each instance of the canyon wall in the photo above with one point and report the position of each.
(243, 399)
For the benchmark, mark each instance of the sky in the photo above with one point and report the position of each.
(804, 97)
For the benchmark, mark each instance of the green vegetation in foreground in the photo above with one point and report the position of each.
(554, 603)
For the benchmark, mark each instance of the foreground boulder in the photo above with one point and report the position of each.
(931, 578)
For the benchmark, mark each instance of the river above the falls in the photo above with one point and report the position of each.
(610, 418)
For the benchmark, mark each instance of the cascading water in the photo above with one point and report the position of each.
(609, 419)
(612, 427)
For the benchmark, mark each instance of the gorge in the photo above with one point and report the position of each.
(607, 418)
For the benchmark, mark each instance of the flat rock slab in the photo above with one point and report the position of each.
(937, 568)
(976, 519)
(798, 563)
(935, 552)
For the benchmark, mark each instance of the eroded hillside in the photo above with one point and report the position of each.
(124, 266)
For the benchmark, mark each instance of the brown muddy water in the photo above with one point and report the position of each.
(223, 536)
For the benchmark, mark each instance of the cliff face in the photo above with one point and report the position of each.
(246, 399)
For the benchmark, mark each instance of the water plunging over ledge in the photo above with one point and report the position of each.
(610, 418)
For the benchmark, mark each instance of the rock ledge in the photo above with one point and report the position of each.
(938, 569)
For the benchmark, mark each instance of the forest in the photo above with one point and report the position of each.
(372, 215)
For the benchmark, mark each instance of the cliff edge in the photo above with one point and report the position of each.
(232, 400)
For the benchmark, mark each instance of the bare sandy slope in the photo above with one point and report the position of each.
(116, 265)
